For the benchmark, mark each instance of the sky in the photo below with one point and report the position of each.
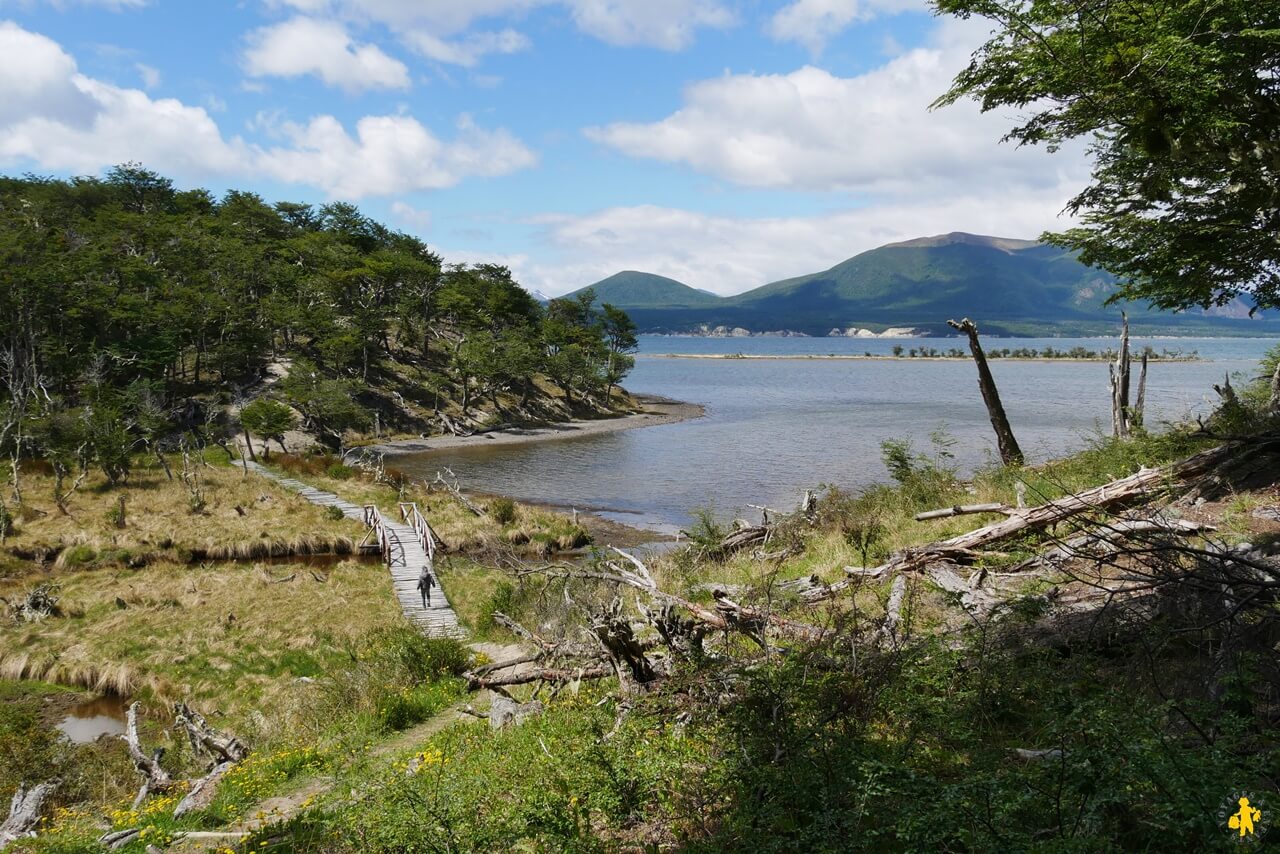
(723, 143)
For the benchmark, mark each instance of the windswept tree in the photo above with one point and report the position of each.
(620, 335)
(1179, 102)
(269, 419)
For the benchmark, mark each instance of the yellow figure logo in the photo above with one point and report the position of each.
(1243, 820)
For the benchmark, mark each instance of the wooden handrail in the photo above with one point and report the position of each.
(422, 529)
(388, 540)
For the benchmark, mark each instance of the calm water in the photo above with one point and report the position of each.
(775, 427)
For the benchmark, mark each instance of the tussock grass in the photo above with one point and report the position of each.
(245, 517)
(231, 636)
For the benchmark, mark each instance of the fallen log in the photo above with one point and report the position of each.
(456, 491)
(964, 509)
(154, 777)
(24, 812)
(539, 674)
(1120, 491)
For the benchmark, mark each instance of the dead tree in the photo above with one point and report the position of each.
(154, 777)
(1119, 370)
(223, 750)
(1140, 402)
(451, 486)
(1274, 403)
(1010, 453)
(617, 639)
(24, 812)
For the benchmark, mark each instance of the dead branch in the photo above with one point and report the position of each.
(24, 812)
(1010, 453)
(154, 777)
(540, 674)
(1125, 490)
(451, 486)
(893, 610)
(964, 510)
(618, 640)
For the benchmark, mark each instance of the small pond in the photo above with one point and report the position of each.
(88, 721)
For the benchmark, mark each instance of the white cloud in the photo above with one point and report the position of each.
(406, 214)
(665, 24)
(813, 22)
(305, 46)
(58, 119)
(149, 74)
(389, 154)
(728, 255)
(468, 50)
(812, 130)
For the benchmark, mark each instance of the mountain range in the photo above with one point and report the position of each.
(1011, 287)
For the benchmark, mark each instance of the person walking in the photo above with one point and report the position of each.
(425, 583)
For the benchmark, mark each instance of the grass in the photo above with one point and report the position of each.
(243, 517)
(222, 634)
(518, 528)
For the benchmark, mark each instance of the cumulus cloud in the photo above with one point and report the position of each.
(406, 214)
(813, 22)
(468, 50)
(727, 255)
(665, 24)
(57, 118)
(306, 46)
(813, 130)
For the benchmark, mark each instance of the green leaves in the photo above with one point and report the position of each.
(1181, 104)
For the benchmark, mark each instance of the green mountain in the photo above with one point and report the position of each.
(1013, 287)
(634, 290)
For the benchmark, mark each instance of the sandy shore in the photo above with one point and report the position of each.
(657, 411)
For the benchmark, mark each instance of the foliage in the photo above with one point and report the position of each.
(502, 510)
(1180, 103)
(269, 419)
(137, 320)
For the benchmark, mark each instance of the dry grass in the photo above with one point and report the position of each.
(229, 636)
(243, 517)
(533, 532)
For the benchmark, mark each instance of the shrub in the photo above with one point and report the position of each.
(334, 513)
(340, 471)
(79, 555)
(502, 510)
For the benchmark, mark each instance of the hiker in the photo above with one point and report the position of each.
(425, 583)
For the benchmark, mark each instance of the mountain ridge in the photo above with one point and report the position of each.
(1011, 286)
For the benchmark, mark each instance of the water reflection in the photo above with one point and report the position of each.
(92, 719)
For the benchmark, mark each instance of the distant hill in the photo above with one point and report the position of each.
(631, 289)
(1013, 287)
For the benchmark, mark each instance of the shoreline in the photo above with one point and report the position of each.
(851, 357)
(655, 412)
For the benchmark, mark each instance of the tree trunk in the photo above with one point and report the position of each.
(24, 812)
(248, 444)
(1274, 403)
(1010, 453)
(1120, 385)
(1140, 402)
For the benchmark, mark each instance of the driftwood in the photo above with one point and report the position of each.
(24, 812)
(539, 674)
(453, 426)
(963, 510)
(154, 777)
(1124, 490)
(453, 489)
(611, 629)
(1108, 535)
(1010, 453)
(893, 610)
(225, 751)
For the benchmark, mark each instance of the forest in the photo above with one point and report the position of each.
(133, 314)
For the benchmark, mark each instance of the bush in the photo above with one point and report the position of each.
(79, 555)
(334, 513)
(502, 510)
(340, 471)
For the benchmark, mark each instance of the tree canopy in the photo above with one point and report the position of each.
(140, 308)
(1180, 103)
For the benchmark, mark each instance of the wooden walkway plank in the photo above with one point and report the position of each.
(406, 560)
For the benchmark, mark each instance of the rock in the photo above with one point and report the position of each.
(505, 712)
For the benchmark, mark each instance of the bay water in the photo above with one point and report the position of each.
(775, 427)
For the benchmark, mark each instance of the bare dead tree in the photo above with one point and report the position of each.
(24, 812)
(1010, 453)
(1119, 370)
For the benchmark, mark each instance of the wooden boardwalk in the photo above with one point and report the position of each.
(407, 549)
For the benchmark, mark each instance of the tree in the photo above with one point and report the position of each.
(269, 419)
(1180, 102)
(620, 334)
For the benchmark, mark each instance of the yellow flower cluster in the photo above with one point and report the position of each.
(257, 777)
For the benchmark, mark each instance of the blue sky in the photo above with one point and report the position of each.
(723, 143)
